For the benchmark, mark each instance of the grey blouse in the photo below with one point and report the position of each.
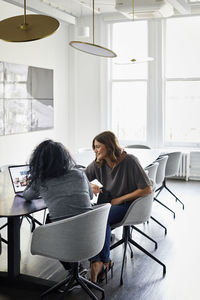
(125, 178)
(65, 196)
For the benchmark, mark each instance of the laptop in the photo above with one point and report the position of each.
(19, 175)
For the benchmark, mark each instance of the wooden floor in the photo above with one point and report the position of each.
(179, 250)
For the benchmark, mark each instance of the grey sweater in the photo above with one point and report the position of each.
(65, 196)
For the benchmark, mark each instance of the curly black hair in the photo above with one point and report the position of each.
(49, 159)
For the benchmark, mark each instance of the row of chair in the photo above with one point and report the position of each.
(82, 236)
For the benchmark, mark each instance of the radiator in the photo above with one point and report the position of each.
(184, 168)
(195, 165)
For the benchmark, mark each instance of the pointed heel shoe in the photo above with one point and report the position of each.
(104, 274)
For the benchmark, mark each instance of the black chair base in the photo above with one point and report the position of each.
(159, 190)
(126, 239)
(33, 221)
(155, 220)
(75, 277)
(176, 198)
(144, 234)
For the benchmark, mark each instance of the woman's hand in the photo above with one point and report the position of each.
(96, 189)
(116, 201)
(131, 196)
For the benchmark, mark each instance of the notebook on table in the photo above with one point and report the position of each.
(19, 177)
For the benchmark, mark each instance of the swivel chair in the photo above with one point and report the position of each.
(160, 176)
(139, 212)
(73, 240)
(151, 172)
(171, 169)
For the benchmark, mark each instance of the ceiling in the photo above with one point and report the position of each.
(111, 10)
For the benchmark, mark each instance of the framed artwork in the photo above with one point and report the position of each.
(26, 98)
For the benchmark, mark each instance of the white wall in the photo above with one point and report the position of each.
(50, 52)
(87, 86)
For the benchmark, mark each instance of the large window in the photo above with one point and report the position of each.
(129, 81)
(157, 103)
(182, 96)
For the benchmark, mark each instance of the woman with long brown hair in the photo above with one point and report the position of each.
(122, 176)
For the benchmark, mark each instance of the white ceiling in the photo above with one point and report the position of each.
(69, 10)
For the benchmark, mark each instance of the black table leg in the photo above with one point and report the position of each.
(13, 247)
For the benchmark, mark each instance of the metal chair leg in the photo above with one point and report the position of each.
(149, 254)
(155, 199)
(176, 198)
(147, 236)
(126, 240)
(155, 220)
(70, 280)
(130, 250)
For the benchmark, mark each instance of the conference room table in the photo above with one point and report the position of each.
(145, 156)
(14, 208)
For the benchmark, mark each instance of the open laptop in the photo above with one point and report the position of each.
(19, 176)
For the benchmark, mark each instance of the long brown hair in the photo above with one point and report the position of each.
(111, 143)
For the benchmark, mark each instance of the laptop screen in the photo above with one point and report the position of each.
(19, 175)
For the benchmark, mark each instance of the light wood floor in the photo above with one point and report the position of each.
(179, 250)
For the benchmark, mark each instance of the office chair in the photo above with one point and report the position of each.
(139, 212)
(73, 240)
(160, 176)
(138, 146)
(171, 169)
(151, 171)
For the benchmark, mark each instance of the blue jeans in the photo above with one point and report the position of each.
(116, 214)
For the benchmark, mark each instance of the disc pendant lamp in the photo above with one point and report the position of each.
(134, 60)
(26, 28)
(92, 48)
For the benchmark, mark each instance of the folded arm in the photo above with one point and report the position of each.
(131, 196)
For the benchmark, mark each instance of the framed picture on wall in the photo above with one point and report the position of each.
(26, 98)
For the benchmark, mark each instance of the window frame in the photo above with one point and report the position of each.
(156, 88)
(167, 79)
(112, 80)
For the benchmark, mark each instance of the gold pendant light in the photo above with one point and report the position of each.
(139, 60)
(134, 60)
(92, 48)
(26, 28)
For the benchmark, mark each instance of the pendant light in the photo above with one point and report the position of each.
(134, 60)
(92, 48)
(26, 28)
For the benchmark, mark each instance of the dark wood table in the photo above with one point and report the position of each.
(13, 208)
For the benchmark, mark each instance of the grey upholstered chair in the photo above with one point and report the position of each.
(73, 240)
(160, 177)
(151, 172)
(171, 169)
(138, 213)
(138, 146)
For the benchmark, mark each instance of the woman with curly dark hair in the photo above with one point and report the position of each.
(53, 176)
(123, 180)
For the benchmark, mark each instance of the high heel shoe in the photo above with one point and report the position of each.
(95, 269)
(105, 272)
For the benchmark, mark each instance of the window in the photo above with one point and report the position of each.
(129, 81)
(182, 96)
